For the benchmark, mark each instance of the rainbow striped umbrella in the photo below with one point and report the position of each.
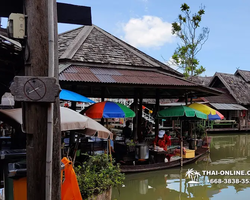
(108, 109)
(212, 113)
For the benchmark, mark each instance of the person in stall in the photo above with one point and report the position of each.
(162, 140)
(126, 132)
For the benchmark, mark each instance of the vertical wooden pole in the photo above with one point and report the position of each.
(110, 153)
(56, 164)
(135, 120)
(157, 105)
(181, 150)
(103, 99)
(139, 128)
(35, 114)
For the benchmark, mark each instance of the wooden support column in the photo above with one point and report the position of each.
(139, 128)
(186, 99)
(73, 103)
(56, 164)
(157, 106)
(103, 99)
(239, 119)
(35, 114)
(135, 119)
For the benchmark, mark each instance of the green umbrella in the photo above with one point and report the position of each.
(181, 112)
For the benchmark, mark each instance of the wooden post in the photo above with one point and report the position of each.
(139, 127)
(135, 120)
(157, 105)
(110, 153)
(181, 149)
(56, 164)
(35, 114)
(103, 99)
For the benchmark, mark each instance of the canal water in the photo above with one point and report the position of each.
(229, 155)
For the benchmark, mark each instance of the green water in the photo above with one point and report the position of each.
(228, 152)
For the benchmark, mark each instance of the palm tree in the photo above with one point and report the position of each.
(196, 175)
(190, 174)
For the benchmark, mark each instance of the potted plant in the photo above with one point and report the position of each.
(97, 176)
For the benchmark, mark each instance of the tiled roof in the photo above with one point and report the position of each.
(244, 74)
(223, 98)
(104, 75)
(236, 86)
(92, 45)
(201, 80)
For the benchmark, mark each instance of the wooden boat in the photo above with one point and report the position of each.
(199, 153)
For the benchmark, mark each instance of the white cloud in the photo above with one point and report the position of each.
(149, 31)
(172, 64)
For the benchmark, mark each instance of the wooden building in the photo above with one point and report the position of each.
(234, 102)
(95, 63)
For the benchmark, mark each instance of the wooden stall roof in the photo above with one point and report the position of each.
(236, 86)
(94, 62)
(92, 45)
(117, 83)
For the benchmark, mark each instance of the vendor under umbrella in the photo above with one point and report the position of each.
(162, 140)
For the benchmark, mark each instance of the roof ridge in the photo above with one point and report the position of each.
(72, 30)
(77, 42)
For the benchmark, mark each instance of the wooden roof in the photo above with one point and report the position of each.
(201, 80)
(244, 74)
(93, 61)
(92, 45)
(237, 87)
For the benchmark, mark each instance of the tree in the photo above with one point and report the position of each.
(186, 28)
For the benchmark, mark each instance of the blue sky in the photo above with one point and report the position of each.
(146, 24)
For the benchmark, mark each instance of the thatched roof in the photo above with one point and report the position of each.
(236, 86)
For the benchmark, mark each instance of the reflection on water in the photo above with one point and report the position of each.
(228, 152)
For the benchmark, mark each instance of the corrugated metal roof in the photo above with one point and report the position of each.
(105, 78)
(104, 71)
(225, 106)
(105, 75)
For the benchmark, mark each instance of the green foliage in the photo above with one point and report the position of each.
(97, 175)
(191, 43)
(199, 130)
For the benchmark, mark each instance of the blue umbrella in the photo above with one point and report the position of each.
(72, 96)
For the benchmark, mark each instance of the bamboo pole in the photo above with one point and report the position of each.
(181, 151)
(110, 150)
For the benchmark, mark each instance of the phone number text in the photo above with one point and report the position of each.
(229, 181)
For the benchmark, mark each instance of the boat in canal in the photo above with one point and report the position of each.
(136, 167)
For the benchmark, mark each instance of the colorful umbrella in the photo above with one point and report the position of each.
(212, 113)
(72, 96)
(108, 109)
(70, 120)
(181, 112)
